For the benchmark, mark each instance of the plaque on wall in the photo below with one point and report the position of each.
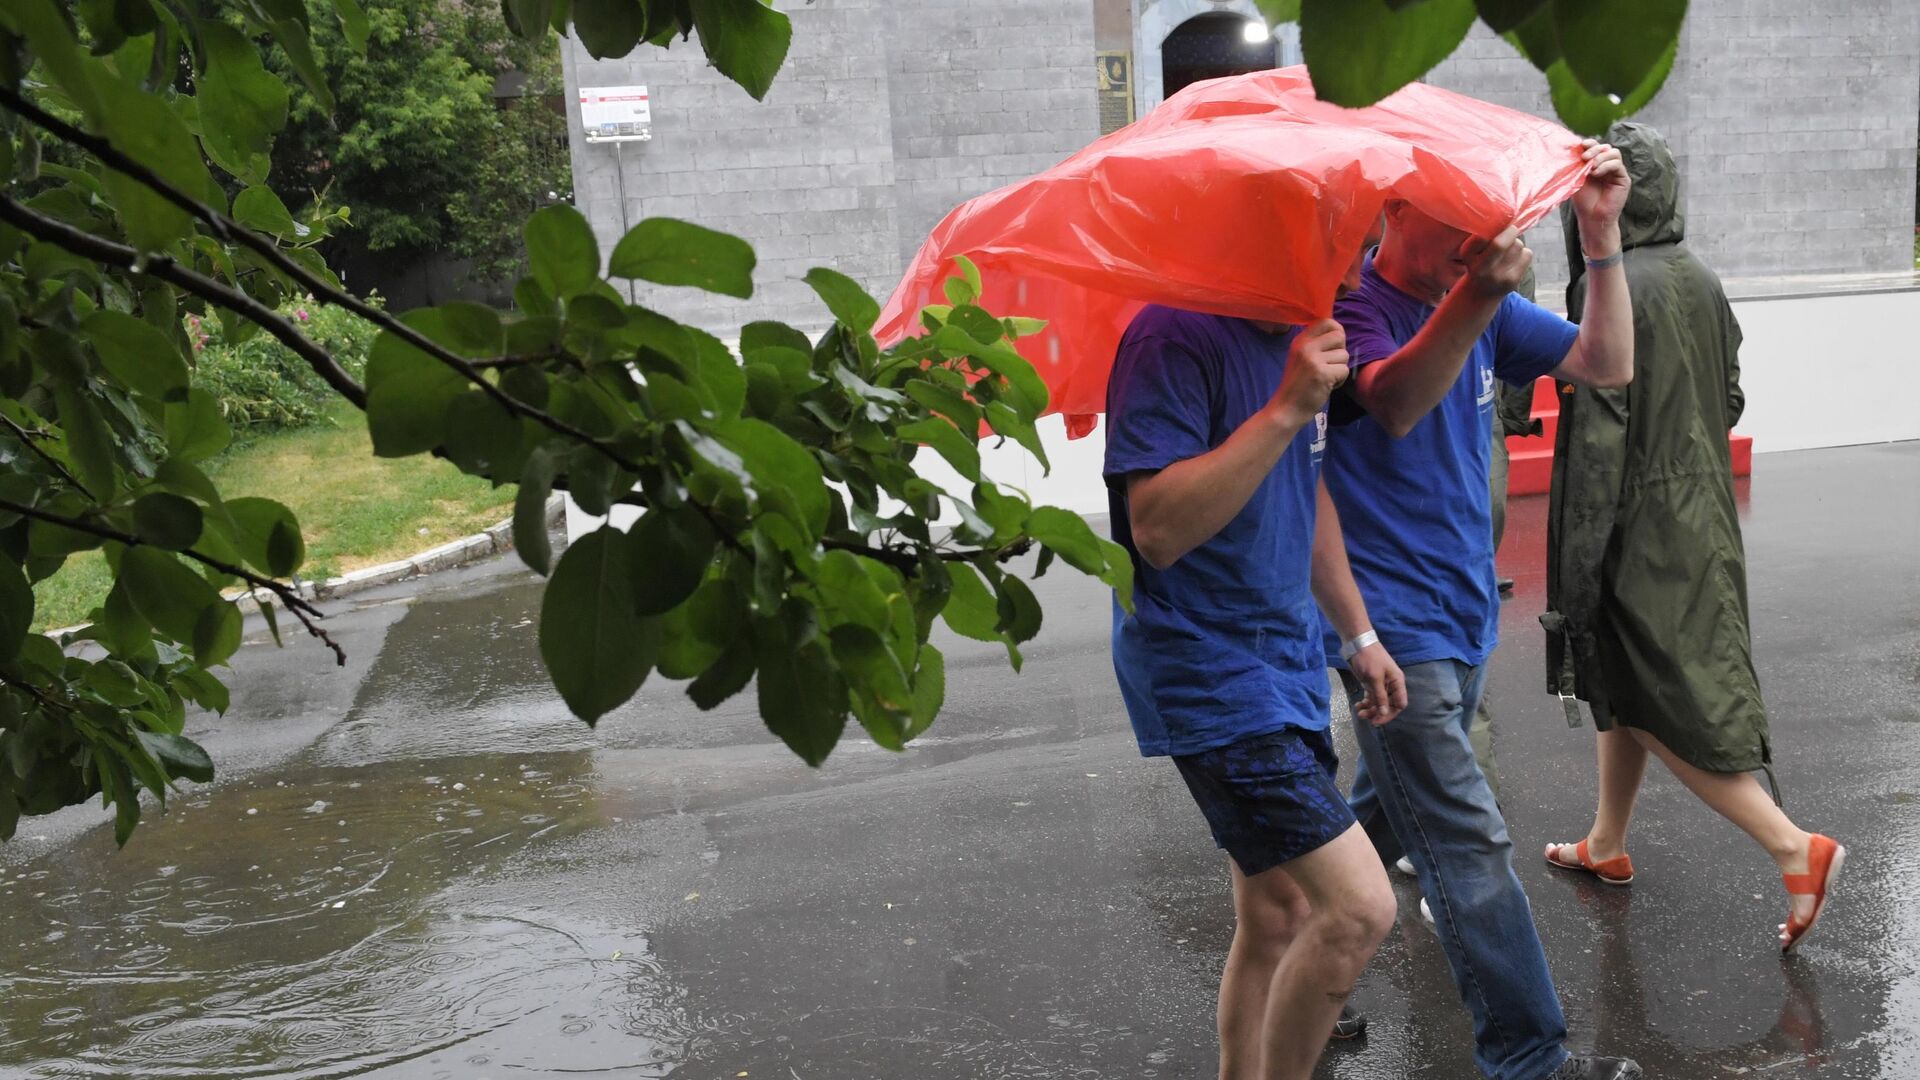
(1116, 90)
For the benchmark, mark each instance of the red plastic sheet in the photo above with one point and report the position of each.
(1244, 196)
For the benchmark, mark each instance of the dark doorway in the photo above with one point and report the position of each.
(1212, 46)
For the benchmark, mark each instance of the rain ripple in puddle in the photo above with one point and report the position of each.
(293, 944)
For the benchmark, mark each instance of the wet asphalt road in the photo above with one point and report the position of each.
(420, 866)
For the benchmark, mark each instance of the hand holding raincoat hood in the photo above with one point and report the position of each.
(1646, 573)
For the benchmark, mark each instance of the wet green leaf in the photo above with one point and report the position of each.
(1613, 47)
(1359, 51)
(1588, 114)
(408, 391)
(1069, 535)
(1503, 15)
(801, 701)
(216, 634)
(268, 535)
(596, 647)
(670, 551)
(167, 520)
(1019, 610)
(195, 428)
(16, 609)
(971, 610)
(242, 106)
(90, 442)
(785, 475)
(137, 354)
(182, 757)
(608, 28)
(746, 40)
(671, 252)
(354, 25)
(564, 256)
(530, 508)
(726, 676)
(947, 441)
(844, 297)
(165, 593)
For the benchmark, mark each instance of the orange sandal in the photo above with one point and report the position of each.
(1825, 857)
(1616, 871)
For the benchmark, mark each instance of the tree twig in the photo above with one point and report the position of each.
(65, 236)
(27, 440)
(234, 232)
(228, 229)
(288, 596)
(34, 692)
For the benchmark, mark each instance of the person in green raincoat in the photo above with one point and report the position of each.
(1646, 573)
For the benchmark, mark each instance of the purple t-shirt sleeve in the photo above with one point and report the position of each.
(1369, 335)
(1529, 340)
(1159, 407)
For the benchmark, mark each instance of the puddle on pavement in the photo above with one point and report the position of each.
(325, 929)
(342, 914)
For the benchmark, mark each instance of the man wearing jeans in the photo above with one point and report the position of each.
(1431, 329)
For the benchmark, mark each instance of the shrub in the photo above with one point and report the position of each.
(262, 385)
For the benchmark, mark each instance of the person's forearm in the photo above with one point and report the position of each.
(1404, 387)
(1333, 585)
(1603, 354)
(1187, 503)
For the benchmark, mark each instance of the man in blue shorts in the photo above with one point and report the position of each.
(1431, 327)
(1215, 431)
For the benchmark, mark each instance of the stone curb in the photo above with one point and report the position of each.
(496, 540)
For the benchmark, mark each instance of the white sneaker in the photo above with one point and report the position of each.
(1405, 866)
(1426, 912)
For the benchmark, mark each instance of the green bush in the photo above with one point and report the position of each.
(262, 385)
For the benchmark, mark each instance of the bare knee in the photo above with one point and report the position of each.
(1360, 920)
(1269, 919)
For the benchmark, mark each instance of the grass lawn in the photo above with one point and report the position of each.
(355, 509)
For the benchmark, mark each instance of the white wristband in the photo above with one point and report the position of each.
(1360, 641)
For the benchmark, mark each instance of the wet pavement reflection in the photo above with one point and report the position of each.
(422, 867)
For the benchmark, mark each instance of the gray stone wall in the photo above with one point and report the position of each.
(1794, 127)
(885, 117)
(983, 93)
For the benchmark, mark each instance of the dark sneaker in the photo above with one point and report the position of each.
(1597, 1068)
(1505, 586)
(1352, 1025)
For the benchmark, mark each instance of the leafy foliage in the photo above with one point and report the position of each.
(431, 162)
(1603, 59)
(261, 384)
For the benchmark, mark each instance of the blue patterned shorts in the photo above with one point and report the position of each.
(1269, 798)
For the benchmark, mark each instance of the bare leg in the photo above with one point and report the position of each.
(1623, 765)
(1739, 798)
(1268, 912)
(1351, 909)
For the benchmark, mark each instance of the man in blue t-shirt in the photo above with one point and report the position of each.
(1215, 432)
(1431, 329)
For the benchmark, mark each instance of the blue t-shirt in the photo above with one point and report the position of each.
(1416, 511)
(1224, 644)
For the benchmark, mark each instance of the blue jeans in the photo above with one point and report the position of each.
(1418, 774)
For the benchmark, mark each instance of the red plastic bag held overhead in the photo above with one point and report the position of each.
(1243, 196)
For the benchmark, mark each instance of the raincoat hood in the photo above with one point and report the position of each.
(1652, 214)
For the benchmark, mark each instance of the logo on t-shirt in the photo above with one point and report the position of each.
(1319, 434)
(1486, 386)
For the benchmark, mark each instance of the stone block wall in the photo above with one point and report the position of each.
(885, 117)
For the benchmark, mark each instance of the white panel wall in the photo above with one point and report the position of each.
(1830, 370)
